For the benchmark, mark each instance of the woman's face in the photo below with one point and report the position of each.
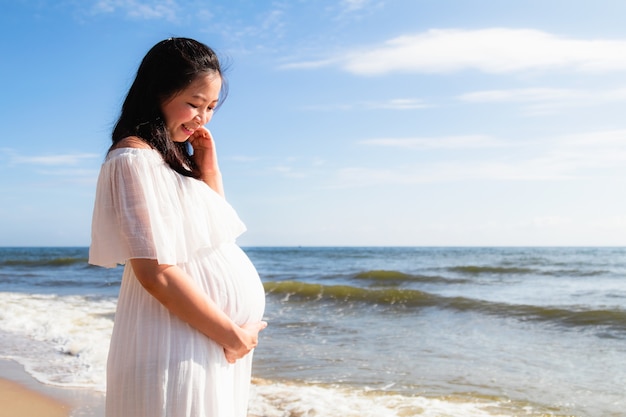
(191, 108)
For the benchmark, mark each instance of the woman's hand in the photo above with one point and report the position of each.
(204, 153)
(249, 337)
(205, 156)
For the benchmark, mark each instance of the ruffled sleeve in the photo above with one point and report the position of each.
(144, 209)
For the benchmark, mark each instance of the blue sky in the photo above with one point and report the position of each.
(348, 122)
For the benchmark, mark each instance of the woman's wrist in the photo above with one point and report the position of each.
(210, 174)
(214, 180)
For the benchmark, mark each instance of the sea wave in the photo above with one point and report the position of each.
(466, 274)
(475, 270)
(544, 270)
(286, 398)
(49, 262)
(385, 277)
(307, 291)
(60, 340)
(411, 298)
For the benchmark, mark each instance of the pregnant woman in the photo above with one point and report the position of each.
(191, 303)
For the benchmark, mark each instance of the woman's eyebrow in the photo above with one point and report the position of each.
(203, 98)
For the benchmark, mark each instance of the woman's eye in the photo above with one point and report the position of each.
(192, 106)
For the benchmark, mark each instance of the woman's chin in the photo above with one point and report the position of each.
(180, 139)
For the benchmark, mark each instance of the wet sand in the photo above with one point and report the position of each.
(18, 401)
(23, 396)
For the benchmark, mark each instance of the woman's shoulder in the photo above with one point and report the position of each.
(131, 142)
(133, 148)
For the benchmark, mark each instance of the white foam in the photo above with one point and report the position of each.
(60, 340)
(303, 400)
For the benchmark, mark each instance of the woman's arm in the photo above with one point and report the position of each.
(205, 156)
(173, 288)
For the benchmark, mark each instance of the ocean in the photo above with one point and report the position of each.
(371, 331)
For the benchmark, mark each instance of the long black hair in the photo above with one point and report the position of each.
(167, 69)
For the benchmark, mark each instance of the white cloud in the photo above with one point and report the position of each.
(288, 171)
(398, 104)
(361, 176)
(53, 160)
(392, 104)
(299, 168)
(451, 171)
(615, 138)
(550, 221)
(446, 142)
(262, 31)
(148, 10)
(353, 5)
(310, 64)
(520, 95)
(600, 154)
(495, 50)
(598, 151)
(547, 100)
(244, 158)
(355, 9)
(273, 20)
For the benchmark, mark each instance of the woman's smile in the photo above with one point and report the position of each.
(191, 108)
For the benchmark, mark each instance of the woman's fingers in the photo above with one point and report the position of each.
(252, 330)
(201, 139)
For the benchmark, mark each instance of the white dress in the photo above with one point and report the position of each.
(159, 366)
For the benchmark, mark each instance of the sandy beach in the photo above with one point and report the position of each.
(23, 396)
(18, 401)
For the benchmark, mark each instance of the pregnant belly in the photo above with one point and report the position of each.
(231, 280)
(249, 288)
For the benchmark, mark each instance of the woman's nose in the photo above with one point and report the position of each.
(204, 117)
